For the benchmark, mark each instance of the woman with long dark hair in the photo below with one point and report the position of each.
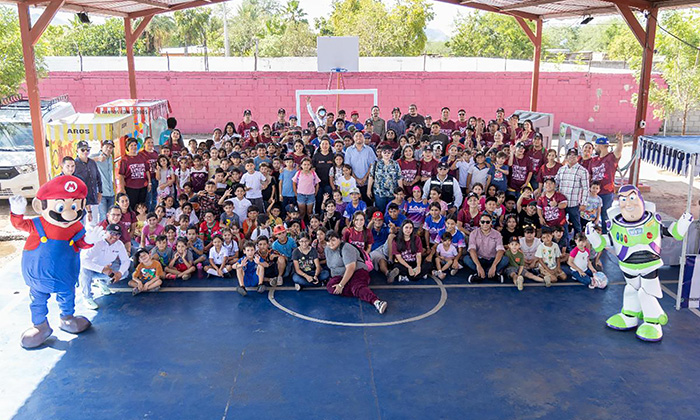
(134, 177)
(229, 131)
(175, 143)
(407, 254)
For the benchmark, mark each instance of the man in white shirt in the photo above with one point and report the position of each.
(98, 263)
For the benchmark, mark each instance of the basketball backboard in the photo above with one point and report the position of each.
(338, 53)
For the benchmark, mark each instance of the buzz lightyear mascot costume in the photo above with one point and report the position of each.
(635, 232)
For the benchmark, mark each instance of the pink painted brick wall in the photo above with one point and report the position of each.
(204, 100)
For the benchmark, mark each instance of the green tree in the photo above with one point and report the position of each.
(249, 25)
(197, 26)
(398, 31)
(11, 54)
(294, 13)
(160, 33)
(92, 39)
(480, 34)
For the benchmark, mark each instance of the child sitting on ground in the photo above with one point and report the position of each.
(163, 254)
(249, 270)
(181, 263)
(548, 254)
(148, 275)
(151, 231)
(218, 256)
(445, 256)
(582, 269)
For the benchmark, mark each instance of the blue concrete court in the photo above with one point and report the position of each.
(490, 352)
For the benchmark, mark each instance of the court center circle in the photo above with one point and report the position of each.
(433, 311)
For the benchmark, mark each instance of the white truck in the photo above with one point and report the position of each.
(18, 169)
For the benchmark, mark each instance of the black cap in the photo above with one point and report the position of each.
(247, 112)
(275, 134)
(471, 194)
(519, 144)
(514, 239)
(114, 228)
(281, 111)
(310, 124)
(254, 128)
(443, 165)
(572, 151)
(395, 109)
(82, 144)
(306, 132)
(107, 142)
(289, 157)
(532, 203)
(292, 208)
(500, 110)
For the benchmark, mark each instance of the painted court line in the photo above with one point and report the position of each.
(673, 295)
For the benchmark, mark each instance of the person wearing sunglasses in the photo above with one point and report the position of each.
(485, 258)
(86, 170)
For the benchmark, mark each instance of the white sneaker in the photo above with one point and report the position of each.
(280, 280)
(91, 304)
(403, 279)
(297, 287)
(104, 288)
(547, 281)
(380, 305)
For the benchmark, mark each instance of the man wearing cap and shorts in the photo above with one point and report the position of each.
(86, 170)
(602, 168)
(105, 165)
(100, 263)
(572, 179)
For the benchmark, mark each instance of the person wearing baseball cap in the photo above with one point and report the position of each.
(86, 170)
(447, 185)
(99, 264)
(281, 124)
(51, 259)
(602, 168)
(396, 123)
(245, 126)
(354, 205)
(355, 121)
(520, 168)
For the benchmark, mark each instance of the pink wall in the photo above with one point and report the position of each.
(204, 100)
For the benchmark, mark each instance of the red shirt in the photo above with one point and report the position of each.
(466, 218)
(447, 127)
(361, 239)
(151, 159)
(537, 158)
(410, 170)
(586, 163)
(461, 126)
(244, 129)
(518, 172)
(125, 237)
(408, 255)
(428, 169)
(603, 171)
(52, 232)
(554, 216)
(133, 169)
(207, 231)
(547, 173)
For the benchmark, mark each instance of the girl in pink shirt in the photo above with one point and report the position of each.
(305, 183)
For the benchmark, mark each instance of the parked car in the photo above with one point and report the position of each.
(18, 169)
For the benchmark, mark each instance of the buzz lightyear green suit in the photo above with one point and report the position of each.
(635, 231)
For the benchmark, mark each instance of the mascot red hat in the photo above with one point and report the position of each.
(63, 187)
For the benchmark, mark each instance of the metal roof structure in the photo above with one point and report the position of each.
(554, 9)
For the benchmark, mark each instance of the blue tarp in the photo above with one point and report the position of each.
(673, 153)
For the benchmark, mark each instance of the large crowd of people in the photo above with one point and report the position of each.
(328, 203)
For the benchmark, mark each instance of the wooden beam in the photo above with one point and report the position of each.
(527, 29)
(152, 3)
(43, 22)
(130, 57)
(139, 29)
(537, 55)
(637, 4)
(32, 81)
(633, 23)
(174, 8)
(529, 3)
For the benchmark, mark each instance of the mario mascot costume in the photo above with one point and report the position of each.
(51, 256)
(635, 231)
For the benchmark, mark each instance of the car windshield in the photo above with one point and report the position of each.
(16, 136)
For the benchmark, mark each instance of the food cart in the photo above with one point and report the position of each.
(64, 134)
(150, 115)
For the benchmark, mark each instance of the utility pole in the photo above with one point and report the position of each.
(226, 45)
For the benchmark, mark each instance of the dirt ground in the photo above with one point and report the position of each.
(668, 191)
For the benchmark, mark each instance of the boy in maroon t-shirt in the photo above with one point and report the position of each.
(428, 165)
(551, 206)
(520, 168)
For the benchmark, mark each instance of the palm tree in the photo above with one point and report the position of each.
(159, 32)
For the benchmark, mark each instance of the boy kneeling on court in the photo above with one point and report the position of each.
(249, 270)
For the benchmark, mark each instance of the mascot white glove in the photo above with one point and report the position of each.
(18, 204)
(95, 235)
(683, 224)
(593, 236)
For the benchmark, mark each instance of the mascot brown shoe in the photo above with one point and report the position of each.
(74, 324)
(36, 336)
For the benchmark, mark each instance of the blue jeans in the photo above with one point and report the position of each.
(85, 279)
(381, 203)
(607, 203)
(104, 206)
(486, 264)
(574, 214)
(323, 189)
(305, 199)
(152, 195)
(582, 279)
(322, 277)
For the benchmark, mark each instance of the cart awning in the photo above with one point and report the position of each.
(673, 153)
(89, 127)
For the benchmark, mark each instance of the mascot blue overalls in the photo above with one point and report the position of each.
(51, 256)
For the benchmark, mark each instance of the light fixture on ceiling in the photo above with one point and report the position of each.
(83, 17)
(586, 20)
